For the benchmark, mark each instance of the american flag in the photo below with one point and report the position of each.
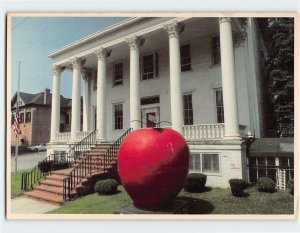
(17, 123)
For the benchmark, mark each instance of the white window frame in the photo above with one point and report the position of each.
(155, 66)
(200, 154)
(113, 116)
(215, 104)
(114, 74)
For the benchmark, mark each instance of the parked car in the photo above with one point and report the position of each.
(37, 148)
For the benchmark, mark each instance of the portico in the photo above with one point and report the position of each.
(93, 62)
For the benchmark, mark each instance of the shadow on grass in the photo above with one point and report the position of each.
(243, 194)
(198, 206)
(116, 193)
(204, 190)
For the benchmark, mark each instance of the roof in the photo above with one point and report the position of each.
(272, 147)
(38, 99)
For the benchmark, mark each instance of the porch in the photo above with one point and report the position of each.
(191, 133)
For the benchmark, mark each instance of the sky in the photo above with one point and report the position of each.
(33, 38)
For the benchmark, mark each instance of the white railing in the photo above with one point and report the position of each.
(63, 137)
(82, 134)
(203, 131)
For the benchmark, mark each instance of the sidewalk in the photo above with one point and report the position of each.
(24, 205)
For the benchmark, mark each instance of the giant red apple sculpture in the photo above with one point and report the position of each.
(153, 165)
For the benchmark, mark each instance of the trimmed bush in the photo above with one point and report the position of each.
(45, 166)
(106, 187)
(237, 187)
(60, 165)
(195, 182)
(290, 186)
(265, 184)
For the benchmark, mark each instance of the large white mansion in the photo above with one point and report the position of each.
(200, 74)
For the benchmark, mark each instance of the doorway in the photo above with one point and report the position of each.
(147, 114)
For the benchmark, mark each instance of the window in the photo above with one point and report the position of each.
(95, 82)
(219, 106)
(185, 57)
(67, 118)
(118, 116)
(204, 162)
(216, 55)
(21, 117)
(118, 74)
(28, 117)
(150, 100)
(188, 109)
(150, 66)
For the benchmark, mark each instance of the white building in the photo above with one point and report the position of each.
(201, 74)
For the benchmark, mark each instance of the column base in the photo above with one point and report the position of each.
(101, 140)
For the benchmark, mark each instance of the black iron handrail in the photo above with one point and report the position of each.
(87, 166)
(30, 178)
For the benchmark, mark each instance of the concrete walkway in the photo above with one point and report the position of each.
(24, 205)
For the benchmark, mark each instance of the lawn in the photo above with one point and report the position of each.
(212, 201)
(95, 204)
(16, 182)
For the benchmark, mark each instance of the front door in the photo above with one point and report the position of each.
(146, 114)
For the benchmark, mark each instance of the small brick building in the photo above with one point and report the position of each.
(35, 117)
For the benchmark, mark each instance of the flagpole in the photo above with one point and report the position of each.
(17, 111)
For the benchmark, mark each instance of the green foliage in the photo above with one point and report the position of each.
(290, 186)
(265, 184)
(195, 182)
(106, 187)
(280, 73)
(45, 166)
(237, 187)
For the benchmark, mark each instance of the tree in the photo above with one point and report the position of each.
(280, 73)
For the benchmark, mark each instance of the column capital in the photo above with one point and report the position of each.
(224, 19)
(85, 74)
(76, 62)
(135, 42)
(56, 69)
(174, 29)
(102, 53)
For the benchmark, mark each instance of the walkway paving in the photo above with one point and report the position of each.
(24, 205)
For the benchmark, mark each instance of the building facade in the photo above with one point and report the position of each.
(34, 112)
(200, 76)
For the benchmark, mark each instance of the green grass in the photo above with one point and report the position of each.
(95, 204)
(221, 201)
(15, 183)
(214, 201)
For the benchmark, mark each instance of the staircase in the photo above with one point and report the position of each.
(97, 162)
(50, 188)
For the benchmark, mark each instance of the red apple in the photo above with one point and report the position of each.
(153, 165)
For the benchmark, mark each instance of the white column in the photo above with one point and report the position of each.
(228, 79)
(77, 64)
(86, 101)
(173, 31)
(135, 105)
(101, 54)
(55, 109)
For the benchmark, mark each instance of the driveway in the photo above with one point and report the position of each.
(28, 160)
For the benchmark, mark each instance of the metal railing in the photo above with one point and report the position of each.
(30, 178)
(87, 166)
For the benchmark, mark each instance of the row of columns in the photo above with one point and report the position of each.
(173, 30)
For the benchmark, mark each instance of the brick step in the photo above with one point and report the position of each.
(57, 177)
(45, 196)
(54, 183)
(50, 189)
(62, 171)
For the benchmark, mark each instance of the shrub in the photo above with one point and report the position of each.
(290, 186)
(60, 165)
(106, 187)
(237, 187)
(195, 182)
(265, 184)
(45, 166)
